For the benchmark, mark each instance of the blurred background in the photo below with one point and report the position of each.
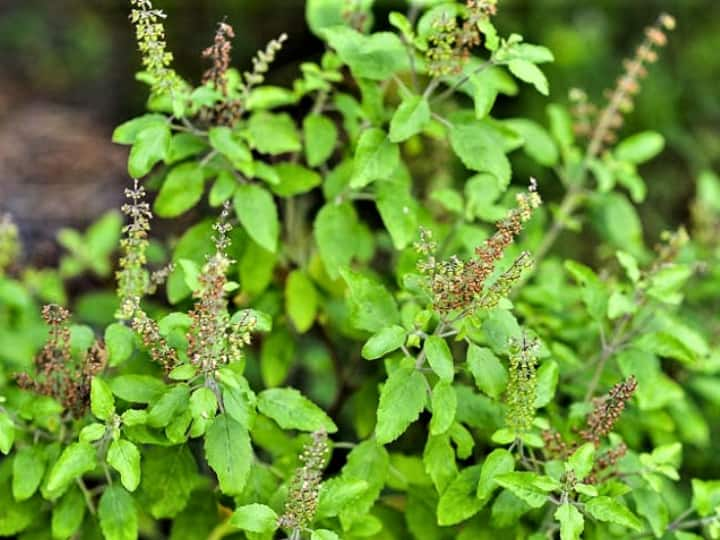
(67, 66)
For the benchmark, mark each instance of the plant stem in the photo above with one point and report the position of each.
(450, 91)
(220, 531)
(569, 204)
(88, 496)
(607, 352)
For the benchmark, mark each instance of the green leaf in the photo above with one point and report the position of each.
(487, 370)
(229, 453)
(222, 140)
(28, 472)
(536, 54)
(582, 460)
(571, 522)
(93, 432)
(368, 462)
(667, 283)
(168, 477)
(203, 406)
(137, 388)
(652, 507)
(323, 534)
(334, 224)
(398, 210)
(372, 307)
(594, 292)
(291, 410)
(526, 486)
(257, 212)
(183, 188)
(119, 341)
(68, 514)
(339, 493)
(183, 372)
(376, 158)
(547, 378)
(295, 179)
(530, 73)
(484, 92)
(127, 132)
(410, 118)
(256, 269)
(606, 509)
(223, 188)
(16, 516)
(444, 406)
(537, 142)
(320, 136)
(640, 147)
(322, 14)
(481, 192)
(450, 199)
(480, 148)
(77, 459)
(440, 358)
(561, 125)
(151, 145)
(124, 457)
(256, 518)
(274, 133)
(377, 56)
(301, 300)
(7, 433)
(706, 496)
(499, 328)
(498, 462)
(617, 221)
(170, 403)
(117, 514)
(708, 190)
(439, 461)
(276, 356)
(629, 263)
(620, 304)
(458, 502)
(402, 399)
(655, 389)
(183, 146)
(270, 97)
(102, 403)
(386, 340)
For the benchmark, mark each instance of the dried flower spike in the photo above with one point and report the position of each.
(302, 497)
(228, 111)
(213, 340)
(607, 410)
(57, 374)
(460, 285)
(219, 54)
(149, 332)
(620, 100)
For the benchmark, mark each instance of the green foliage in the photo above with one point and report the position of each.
(378, 337)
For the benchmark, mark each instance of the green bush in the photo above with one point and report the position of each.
(365, 330)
